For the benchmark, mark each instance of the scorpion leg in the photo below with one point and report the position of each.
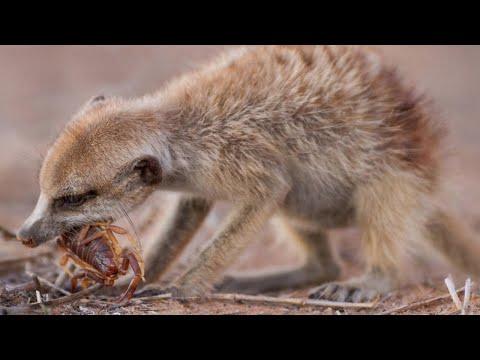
(118, 230)
(83, 232)
(63, 262)
(136, 245)
(102, 224)
(113, 240)
(85, 282)
(84, 274)
(92, 237)
(131, 260)
(125, 264)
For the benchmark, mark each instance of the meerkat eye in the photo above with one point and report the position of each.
(75, 200)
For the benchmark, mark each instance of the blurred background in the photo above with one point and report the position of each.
(41, 86)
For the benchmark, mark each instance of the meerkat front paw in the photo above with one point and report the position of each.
(177, 291)
(152, 290)
(188, 291)
(362, 289)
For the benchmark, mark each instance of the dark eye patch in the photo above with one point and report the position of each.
(71, 201)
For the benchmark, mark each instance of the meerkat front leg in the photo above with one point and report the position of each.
(186, 216)
(387, 214)
(226, 245)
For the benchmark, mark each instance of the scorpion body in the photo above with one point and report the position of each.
(96, 251)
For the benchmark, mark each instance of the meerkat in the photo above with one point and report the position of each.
(322, 136)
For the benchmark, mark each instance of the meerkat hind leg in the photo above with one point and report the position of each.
(386, 213)
(319, 265)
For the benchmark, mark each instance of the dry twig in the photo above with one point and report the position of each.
(453, 293)
(291, 301)
(48, 283)
(155, 297)
(269, 300)
(40, 301)
(466, 298)
(65, 299)
(418, 303)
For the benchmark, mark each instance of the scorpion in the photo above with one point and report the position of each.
(96, 251)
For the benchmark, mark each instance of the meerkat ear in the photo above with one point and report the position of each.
(149, 169)
(92, 102)
(98, 98)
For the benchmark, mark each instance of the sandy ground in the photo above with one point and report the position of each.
(41, 86)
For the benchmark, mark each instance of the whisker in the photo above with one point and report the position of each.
(70, 232)
(132, 226)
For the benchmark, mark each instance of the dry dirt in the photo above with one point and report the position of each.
(41, 86)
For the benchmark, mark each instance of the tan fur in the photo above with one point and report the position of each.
(327, 136)
(178, 229)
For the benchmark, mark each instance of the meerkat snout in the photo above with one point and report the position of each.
(33, 224)
(55, 214)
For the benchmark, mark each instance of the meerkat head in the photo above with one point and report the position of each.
(103, 165)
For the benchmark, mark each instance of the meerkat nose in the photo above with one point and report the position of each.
(28, 234)
(27, 241)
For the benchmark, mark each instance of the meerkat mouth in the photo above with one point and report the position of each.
(73, 231)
